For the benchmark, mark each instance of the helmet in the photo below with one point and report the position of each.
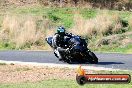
(61, 30)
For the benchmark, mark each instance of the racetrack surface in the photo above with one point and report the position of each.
(107, 60)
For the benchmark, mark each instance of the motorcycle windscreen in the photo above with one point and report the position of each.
(49, 40)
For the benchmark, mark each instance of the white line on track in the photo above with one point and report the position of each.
(59, 65)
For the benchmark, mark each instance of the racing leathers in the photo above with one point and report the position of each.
(59, 43)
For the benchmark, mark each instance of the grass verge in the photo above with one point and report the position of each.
(125, 50)
(68, 83)
(54, 83)
(3, 64)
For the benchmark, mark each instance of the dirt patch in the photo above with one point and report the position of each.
(27, 73)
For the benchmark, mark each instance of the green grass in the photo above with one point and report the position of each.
(2, 64)
(63, 84)
(60, 16)
(64, 16)
(23, 69)
(126, 49)
(125, 15)
(115, 49)
(6, 46)
(88, 13)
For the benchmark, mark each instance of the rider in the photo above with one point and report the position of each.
(59, 43)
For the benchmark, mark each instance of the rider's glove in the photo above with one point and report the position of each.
(67, 50)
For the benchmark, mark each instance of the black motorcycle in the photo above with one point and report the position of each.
(78, 50)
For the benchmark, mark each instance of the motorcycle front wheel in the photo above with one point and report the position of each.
(92, 58)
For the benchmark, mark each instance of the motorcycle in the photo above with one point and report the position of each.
(77, 52)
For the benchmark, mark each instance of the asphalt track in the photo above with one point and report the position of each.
(107, 60)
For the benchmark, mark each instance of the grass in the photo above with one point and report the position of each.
(23, 69)
(58, 83)
(45, 18)
(126, 49)
(6, 46)
(63, 84)
(115, 49)
(2, 64)
(89, 13)
(61, 16)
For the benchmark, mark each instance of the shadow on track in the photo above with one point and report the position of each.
(109, 63)
(99, 63)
